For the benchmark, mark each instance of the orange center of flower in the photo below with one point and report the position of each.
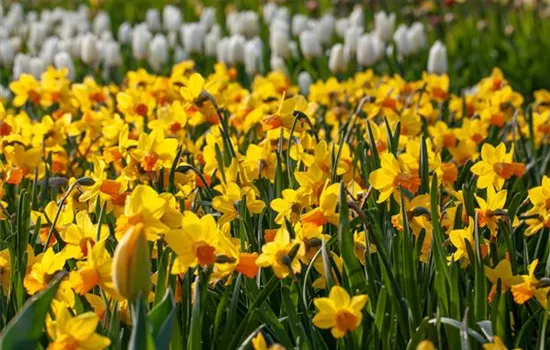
(34, 97)
(477, 137)
(149, 160)
(134, 219)
(5, 129)
(15, 176)
(449, 140)
(272, 122)
(175, 127)
(84, 245)
(407, 181)
(439, 93)
(90, 278)
(67, 342)
(247, 264)
(497, 83)
(346, 321)
(497, 120)
(205, 254)
(389, 103)
(269, 235)
(120, 199)
(315, 217)
(110, 187)
(97, 96)
(506, 170)
(141, 109)
(450, 172)
(544, 128)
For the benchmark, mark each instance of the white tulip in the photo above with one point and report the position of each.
(180, 54)
(384, 25)
(124, 33)
(112, 56)
(251, 23)
(211, 43)
(208, 18)
(252, 56)
(304, 82)
(158, 52)
(279, 43)
(21, 64)
(366, 54)
(36, 67)
(417, 37)
(278, 65)
(236, 49)
(401, 40)
(64, 60)
(102, 22)
(222, 51)
(356, 18)
(193, 37)
(337, 61)
(379, 47)
(325, 28)
(437, 60)
(7, 52)
(341, 26)
(283, 14)
(37, 35)
(171, 18)
(49, 49)
(152, 18)
(294, 50)
(89, 52)
(299, 24)
(310, 44)
(269, 11)
(352, 38)
(4, 93)
(141, 37)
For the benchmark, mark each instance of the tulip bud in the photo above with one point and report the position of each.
(102, 22)
(269, 11)
(140, 42)
(279, 43)
(180, 54)
(158, 52)
(112, 56)
(236, 49)
(193, 37)
(366, 54)
(384, 25)
(437, 59)
(337, 62)
(208, 18)
(64, 60)
(325, 28)
(278, 65)
(89, 52)
(36, 67)
(294, 50)
(21, 64)
(299, 24)
(342, 24)
(304, 82)
(251, 58)
(356, 18)
(171, 18)
(417, 37)
(152, 18)
(401, 40)
(310, 44)
(49, 49)
(124, 33)
(352, 38)
(211, 43)
(7, 52)
(37, 35)
(222, 50)
(131, 264)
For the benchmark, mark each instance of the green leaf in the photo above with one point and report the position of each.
(25, 329)
(140, 338)
(162, 321)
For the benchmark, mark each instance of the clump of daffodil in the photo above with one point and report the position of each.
(530, 288)
(282, 254)
(339, 312)
(496, 166)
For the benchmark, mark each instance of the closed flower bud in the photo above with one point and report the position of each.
(384, 25)
(152, 18)
(251, 24)
(7, 52)
(49, 49)
(102, 22)
(269, 11)
(401, 40)
(356, 18)
(112, 55)
(89, 52)
(36, 67)
(366, 54)
(222, 51)
(325, 28)
(337, 62)
(64, 60)
(208, 18)
(158, 52)
(131, 264)
(437, 60)
(299, 24)
(253, 56)
(124, 33)
(21, 64)
(351, 38)
(417, 37)
(193, 37)
(304, 82)
(278, 65)
(310, 44)
(37, 35)
(279, 43)
(211, 43)
(236, 49)
(180, 54)
(171, 18)
(141, 37)
(342, 24)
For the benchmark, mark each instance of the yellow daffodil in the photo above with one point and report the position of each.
(391, 176)
(277, 255)
(496, 166)
(339, 312)
(523, 292)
